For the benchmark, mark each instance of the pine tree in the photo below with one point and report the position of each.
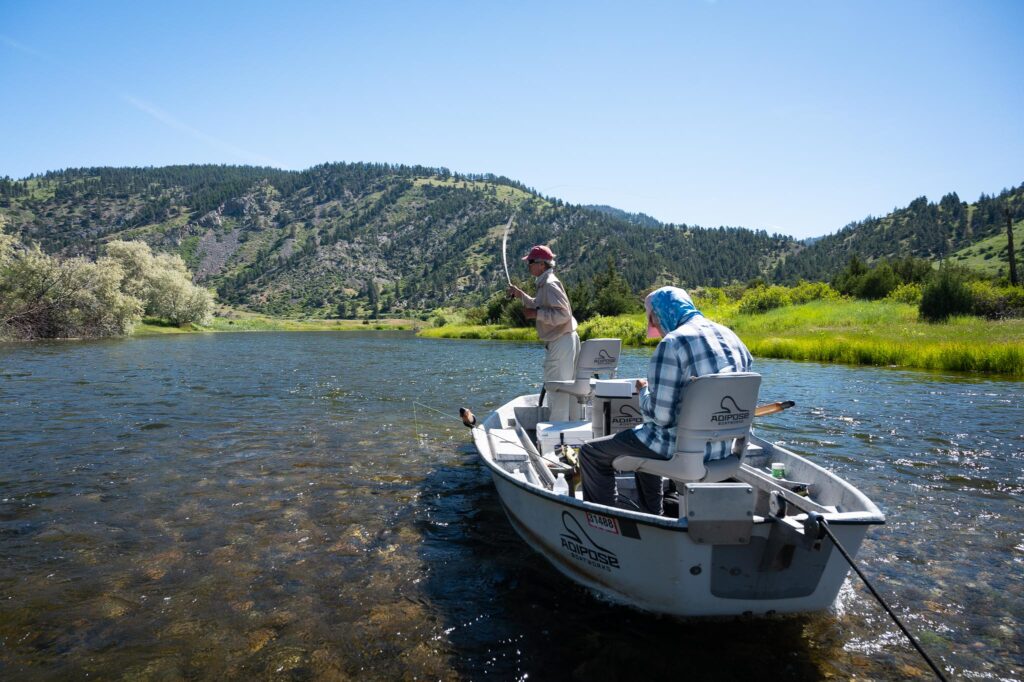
(372, 297)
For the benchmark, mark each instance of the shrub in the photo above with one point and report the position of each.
(944, 296)
(173, 297)
(876, 283)
(763, 299)
(734, 291)
(612, 294)
(162, 282)
(500, 309)
(581, 299)
(911, 270)
(805, 292)
(43, 297)
(906, 293)
(872, 283)
(709, 297)
(475, 315)
(996, 302)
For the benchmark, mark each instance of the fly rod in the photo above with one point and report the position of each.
(504, 244)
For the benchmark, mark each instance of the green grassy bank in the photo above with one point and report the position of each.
(881, 333)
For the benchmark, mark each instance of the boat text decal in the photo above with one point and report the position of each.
(605, 523)
(582, 548)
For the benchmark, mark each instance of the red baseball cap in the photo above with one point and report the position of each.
(540, 252)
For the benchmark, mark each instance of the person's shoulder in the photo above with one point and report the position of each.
(694, 326)
(549, 278)
(702, 322)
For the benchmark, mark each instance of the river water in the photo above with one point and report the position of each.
(294, 506)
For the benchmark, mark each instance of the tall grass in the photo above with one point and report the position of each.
(881, 333)
(830, 315)
(1004, 358)
(632, 329)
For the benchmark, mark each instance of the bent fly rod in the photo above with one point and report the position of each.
(504, 244)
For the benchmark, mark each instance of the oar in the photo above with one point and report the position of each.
(469, 419)
(772, 408)
(540, 465)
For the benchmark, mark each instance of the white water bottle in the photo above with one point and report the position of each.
(561, 485)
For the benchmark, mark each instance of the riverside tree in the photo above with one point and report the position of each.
(43, 297)
(162, 282)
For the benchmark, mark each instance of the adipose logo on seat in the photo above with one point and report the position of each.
(730, 412)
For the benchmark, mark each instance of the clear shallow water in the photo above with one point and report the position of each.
(277, 506)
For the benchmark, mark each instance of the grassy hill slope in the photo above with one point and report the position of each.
(346, 238)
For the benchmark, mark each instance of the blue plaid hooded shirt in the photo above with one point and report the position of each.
(696, 346)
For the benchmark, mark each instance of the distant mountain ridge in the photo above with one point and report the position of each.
(635, 218)
(923, 229)
(340, 238)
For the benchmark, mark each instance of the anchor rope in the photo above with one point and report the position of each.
(823, 524)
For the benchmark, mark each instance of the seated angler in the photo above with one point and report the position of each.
(691, 346)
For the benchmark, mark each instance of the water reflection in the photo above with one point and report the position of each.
(292, 506)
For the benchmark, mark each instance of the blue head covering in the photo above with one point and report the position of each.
(672, 306)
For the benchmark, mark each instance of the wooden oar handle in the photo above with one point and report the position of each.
(772, 408)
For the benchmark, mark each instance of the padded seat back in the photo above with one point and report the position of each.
(598, 358)
(714, 408)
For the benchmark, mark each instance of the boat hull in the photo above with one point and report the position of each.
(659, 568)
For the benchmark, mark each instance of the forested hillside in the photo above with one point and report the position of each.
(348, 239)
(923, 229)
(342, 239)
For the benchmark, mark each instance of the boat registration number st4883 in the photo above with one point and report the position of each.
(605, 523)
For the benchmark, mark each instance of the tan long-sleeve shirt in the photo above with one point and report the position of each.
(554, 314)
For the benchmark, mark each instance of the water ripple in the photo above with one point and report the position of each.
(278, 505)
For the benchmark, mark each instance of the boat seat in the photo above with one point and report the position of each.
(598, 359)
(714, 408)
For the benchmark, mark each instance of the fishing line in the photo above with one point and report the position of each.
(446, 414)
(814, 517)
(823, 524)
(432, 409)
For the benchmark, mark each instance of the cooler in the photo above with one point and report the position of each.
(551, 434)
(616, 407)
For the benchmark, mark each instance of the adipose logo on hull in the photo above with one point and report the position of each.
(583, 548)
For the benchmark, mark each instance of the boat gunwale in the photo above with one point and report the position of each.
(870, 516)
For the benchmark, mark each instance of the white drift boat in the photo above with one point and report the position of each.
(744, 541)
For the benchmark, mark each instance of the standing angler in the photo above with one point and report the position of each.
(556, 326)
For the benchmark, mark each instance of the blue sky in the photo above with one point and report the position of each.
(795, 117)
